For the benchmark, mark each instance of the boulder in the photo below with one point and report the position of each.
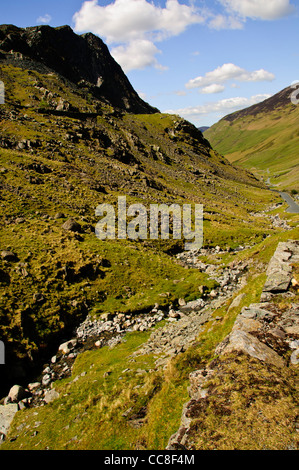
(194, 305)
(8, 255)
(51, 395)
(72, 226)
(295, 357)
(279, 272)
(7, 413)
(68, 346)
(16, 393)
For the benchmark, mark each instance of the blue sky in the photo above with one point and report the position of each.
(200, 59)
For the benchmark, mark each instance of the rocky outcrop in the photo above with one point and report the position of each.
(279, 272)
(262, 331)
(84, 60)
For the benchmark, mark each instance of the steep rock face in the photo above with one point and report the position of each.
(80, 59)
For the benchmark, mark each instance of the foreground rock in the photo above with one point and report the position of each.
(279, 272)
(7, 413)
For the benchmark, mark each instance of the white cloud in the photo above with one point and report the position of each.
(137, 54)
(225, 22)
(134, 26)
(44, 19)
(228, 72)
(127, 24)
(259, 9)
(222, 107)
(125, 20)
(214, 88)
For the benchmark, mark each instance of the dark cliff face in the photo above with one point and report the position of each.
(80, 59)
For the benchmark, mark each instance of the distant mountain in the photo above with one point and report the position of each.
(203, 129)
(81, 59)
(263, 138)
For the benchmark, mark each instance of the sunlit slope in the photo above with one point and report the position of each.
(263, 138)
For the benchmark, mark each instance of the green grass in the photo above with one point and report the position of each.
(98, 410)
(78, 274)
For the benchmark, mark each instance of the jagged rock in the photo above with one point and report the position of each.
(83, 59)
(244, 342)
(279, 272)
(246, 324)
(7, 413)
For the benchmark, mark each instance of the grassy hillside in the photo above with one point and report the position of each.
(263, 139)
(63, 152)
(61, 165)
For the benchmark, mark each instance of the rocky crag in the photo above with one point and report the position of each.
(84, 60)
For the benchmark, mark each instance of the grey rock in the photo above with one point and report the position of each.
(295, 357)
(8, 255)
(46, 380)
(51, 395)
(194, 305)
(33, 386)
(16, 393)
(239, 340)
(68, 346)
(72, 225)
(279, 272)
(255, 312)
(7, 413)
